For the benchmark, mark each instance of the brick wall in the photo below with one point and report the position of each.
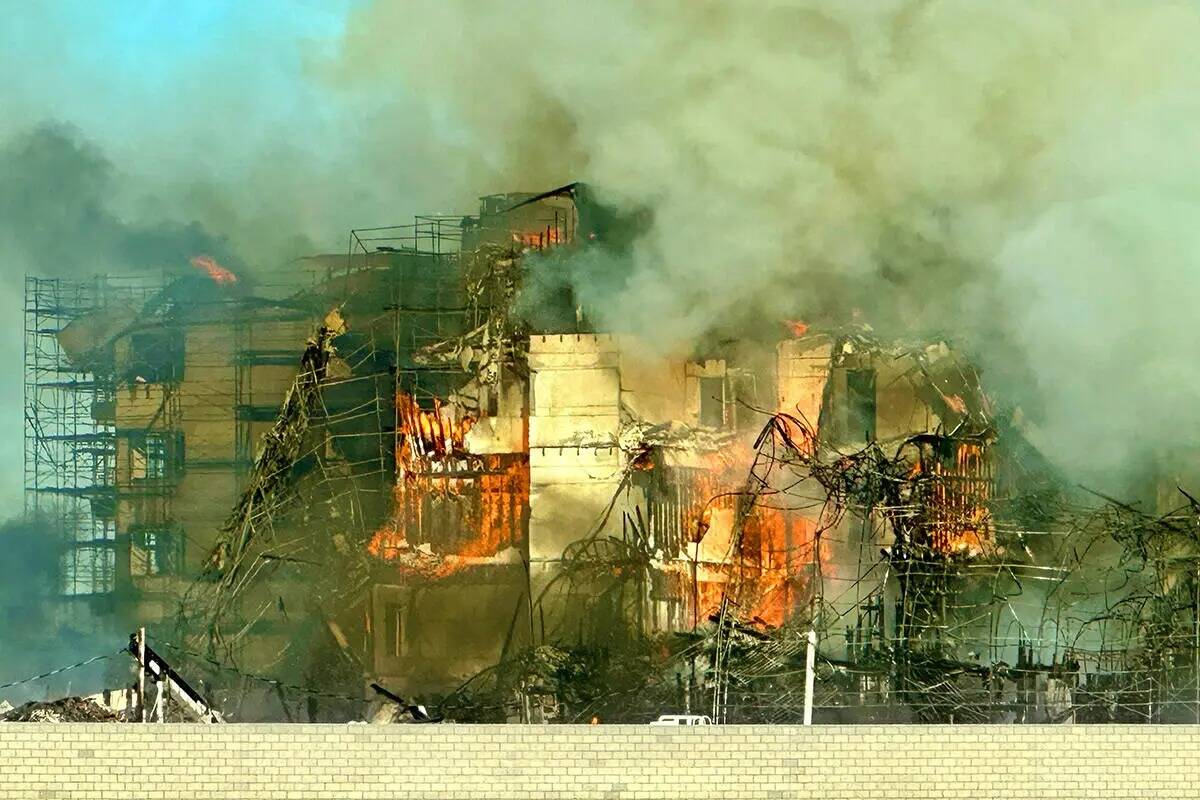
(607, 761)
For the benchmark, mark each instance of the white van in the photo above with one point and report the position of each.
(682, 719)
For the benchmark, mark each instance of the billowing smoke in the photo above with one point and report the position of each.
(1020, 175)
(58, 214)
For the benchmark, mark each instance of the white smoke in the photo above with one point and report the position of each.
(1020, 174)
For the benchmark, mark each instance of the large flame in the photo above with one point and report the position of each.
(487, 508)
(758, 555)
(474, 505)
(215, 271)
(958, 495)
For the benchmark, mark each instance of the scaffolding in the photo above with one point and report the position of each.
(70, 432)
(423, 279)
(431, 235)
(104, 449)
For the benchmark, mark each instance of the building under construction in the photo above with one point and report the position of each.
(422, 467)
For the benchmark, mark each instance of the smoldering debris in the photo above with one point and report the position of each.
(268, 493)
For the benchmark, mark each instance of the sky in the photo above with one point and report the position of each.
(191, 111)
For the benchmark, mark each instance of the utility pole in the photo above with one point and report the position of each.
(168, 681)
(719, 658)
(162, 698)
(810, 675)
(141, 657)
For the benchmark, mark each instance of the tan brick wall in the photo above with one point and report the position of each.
(605, 761)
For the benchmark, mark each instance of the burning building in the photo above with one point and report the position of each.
(423, 467)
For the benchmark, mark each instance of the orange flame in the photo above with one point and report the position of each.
(766, 569)
(428, 433)
(487, 507)
(643, 462)
(548, 236)
(796, 327)
(958, 493)
(471, 506)
(215, 271)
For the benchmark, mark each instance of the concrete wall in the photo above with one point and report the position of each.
(802, 367)
(352, 761)
(655, 389)
(574, 464)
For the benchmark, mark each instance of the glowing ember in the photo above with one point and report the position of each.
(215, 271)
(958, 495)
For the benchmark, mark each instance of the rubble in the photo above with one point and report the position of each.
(68, 709)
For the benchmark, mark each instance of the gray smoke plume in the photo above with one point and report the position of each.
(60, 216)
(1019, 175)
(134, 141)
(57, 215)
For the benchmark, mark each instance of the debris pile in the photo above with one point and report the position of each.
(68, 709)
